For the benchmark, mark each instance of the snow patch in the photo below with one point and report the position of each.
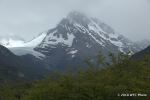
(36, 41)
(95, 27)
(72, 56)
(11, 43)
(81, 28)
(73, 52)
(51, 39)
(117, 43)
(20, 51)
(98, 41)
(88, 45)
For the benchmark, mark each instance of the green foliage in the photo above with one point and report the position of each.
(122, 77)
(10, 91)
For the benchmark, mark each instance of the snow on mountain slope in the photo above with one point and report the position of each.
(12, 43)
(36, 41)
(20, 51)
(20, 48)
(67, 32)
(100, 32)
(78, 37)
(75, 32)
(54, 40)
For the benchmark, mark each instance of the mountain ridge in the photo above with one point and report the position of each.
(74, 39)
(77, 38)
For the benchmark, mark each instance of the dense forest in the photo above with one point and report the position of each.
(124, 79)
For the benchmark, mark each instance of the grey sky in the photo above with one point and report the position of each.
(27, 18)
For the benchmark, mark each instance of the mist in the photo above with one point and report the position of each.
(28, 18)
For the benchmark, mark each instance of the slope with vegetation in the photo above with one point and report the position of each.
(123, 76)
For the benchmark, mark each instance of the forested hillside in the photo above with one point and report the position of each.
(124, 76)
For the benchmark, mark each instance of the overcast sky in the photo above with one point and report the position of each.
(27, 18)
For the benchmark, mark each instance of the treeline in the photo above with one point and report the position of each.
(121, 77)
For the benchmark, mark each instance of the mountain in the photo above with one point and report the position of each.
(78, 27)
(20, 47)
(12, 42)
(75, 38)
(142, 54)
(78, 37)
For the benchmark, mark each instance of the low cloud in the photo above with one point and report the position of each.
(27, 18)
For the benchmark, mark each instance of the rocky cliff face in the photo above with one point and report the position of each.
(78, 37)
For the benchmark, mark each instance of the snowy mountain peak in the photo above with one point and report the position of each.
(77, 28)
(80, 18)
(78, 37)
(74, 39)
(76, 32)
